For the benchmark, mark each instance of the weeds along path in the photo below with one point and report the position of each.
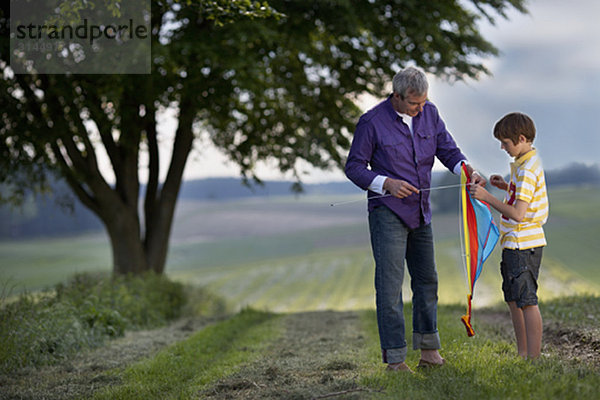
(82, 375)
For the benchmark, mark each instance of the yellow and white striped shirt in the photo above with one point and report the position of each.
(527, 183)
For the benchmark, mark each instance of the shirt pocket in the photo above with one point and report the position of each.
(426, 145)
(396, 148)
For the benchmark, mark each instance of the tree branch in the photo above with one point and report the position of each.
(157, 238)
(82, 134)
(104, 125)
(153, 168)
(86, 198)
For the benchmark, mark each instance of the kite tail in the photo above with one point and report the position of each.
(466, 319)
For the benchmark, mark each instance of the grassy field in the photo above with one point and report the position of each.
(37, 264)
(316, 269)
(311, 264)
(287, 254)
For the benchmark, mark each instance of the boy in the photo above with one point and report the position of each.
(524, 211)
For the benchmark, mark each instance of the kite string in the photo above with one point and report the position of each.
(389, 194)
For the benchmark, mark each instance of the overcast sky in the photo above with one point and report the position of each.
(549, 68)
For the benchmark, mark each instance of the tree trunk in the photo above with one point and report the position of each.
(127, 249)
(135, 249)
(159, 218)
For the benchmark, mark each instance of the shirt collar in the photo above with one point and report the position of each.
(521, 160)
(526, 156)
(390, 108)
(405, 117)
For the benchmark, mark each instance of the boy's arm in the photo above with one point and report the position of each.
(515, 212)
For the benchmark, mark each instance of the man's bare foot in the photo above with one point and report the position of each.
(427, 364)
(431, 358)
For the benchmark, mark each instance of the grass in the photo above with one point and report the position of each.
(579, 311)
(184, 369)
(573, 230)
(328, 279)
(312, 269)
(306, 355)
(331, 268)
(485, 366)
(30, 265)
(342, 279)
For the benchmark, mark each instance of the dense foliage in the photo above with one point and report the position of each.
(49, 326)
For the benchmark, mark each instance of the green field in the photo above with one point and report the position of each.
(296, 254)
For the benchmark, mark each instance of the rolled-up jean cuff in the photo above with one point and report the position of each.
(394, 356)
(426, 341)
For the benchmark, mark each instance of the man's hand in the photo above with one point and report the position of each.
(399, 188)
(477, 179)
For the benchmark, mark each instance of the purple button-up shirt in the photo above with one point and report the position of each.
(384, 145)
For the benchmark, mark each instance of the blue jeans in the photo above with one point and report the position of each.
(392, 243)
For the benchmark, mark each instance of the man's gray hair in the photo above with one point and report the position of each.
(410, 80)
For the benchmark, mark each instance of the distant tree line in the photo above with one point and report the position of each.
(52, 214)
(61, 214)
(574, 174)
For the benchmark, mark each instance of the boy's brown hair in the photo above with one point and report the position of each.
(514, 124)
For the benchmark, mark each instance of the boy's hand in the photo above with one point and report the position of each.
(478, 192)
(499, 182)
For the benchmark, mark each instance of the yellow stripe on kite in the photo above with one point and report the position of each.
(463, 181)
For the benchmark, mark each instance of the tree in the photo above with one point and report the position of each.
(274, 81)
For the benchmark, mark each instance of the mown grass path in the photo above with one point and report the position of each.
(317, 353)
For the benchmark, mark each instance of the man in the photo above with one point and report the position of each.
(392, 153)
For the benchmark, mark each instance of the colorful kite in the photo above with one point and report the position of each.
(479, 236)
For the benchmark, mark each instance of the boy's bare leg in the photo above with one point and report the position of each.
(534, 328)
(518, 320)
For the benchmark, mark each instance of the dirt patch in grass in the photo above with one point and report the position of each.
(318, 356)
(569, 343)
(578, 345)
(88, 371)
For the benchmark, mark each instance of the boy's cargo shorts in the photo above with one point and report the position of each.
(520, 270)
